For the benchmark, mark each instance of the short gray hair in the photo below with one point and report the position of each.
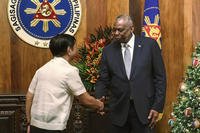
(126, 18)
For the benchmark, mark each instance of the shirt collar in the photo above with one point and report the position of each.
(61, 59)
(130, 42)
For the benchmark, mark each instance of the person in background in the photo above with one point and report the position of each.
(132, 69)
(51, 92)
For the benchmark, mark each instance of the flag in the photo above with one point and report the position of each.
(151, 23)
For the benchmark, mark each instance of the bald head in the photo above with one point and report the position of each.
(125, 19)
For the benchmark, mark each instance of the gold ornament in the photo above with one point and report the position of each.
(183, 87)
(183, 98)
(173, 116)
(196, 123)
(198, 99)
(197, 91)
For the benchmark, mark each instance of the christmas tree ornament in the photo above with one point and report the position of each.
(188, 112)
(171, 122)
(173, 117)
(183, 87)
(198, 99)
(172, 114)
(183, 98)
(195, 62)
(197, 91)
(196, 123)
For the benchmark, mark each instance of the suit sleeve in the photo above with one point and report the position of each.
(104, 77)
(159, 78)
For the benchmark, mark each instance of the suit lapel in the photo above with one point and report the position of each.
(120, 60)
(136, 53)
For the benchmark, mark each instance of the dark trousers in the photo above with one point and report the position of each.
(132, 125)
(34, 129)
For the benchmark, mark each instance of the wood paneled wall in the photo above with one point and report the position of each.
(103, 12)
(172, 28)
(5, 66)
(179, 26)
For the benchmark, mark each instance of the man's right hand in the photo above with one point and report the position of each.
(101, 105)
(90, 101)
(28, 128)
(101, 111)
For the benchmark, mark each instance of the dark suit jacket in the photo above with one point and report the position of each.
(147, 80)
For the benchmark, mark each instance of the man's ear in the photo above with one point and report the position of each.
(69, 50)
(132, 29)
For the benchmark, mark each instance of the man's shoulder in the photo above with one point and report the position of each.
(145, 39)
(112, 45)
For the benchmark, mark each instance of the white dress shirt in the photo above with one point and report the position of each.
(54, 86)
(130, 45)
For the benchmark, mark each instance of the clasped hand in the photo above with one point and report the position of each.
(101, 109)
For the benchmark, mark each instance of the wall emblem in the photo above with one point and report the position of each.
(152, 30)
(151, 24)
(37, 21)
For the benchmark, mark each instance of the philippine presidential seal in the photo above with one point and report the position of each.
(37, 21)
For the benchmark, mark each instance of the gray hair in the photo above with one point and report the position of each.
(126, 18)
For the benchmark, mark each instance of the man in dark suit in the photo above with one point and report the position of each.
(137, 89)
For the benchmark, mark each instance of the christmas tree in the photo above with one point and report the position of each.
(185, 117)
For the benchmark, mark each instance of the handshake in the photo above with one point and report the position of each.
(101, 106)
(90, 101)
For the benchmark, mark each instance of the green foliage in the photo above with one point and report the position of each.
(185, 117)
(89, 57)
